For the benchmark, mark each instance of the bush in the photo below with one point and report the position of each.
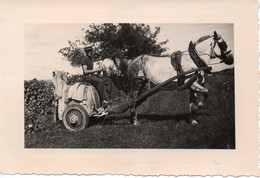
(38, 100)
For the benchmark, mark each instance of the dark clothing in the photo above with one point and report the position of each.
(104, 85)
(87, 61)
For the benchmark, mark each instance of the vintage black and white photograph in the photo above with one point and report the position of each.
(129, 85)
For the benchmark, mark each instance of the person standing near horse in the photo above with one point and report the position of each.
(104, 85)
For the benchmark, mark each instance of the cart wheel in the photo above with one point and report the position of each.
(75, 117)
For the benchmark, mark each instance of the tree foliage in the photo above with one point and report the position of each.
(122, 41)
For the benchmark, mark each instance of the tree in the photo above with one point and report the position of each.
(122, 41)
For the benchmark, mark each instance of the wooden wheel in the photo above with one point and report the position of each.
(75, 117)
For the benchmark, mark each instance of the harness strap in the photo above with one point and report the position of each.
(176, 63)
(196, 59)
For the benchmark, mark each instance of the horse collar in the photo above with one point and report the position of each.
(196, 58)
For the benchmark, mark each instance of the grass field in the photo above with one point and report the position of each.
(216, 128)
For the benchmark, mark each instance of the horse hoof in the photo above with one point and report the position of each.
(200, 104)
(193, 122)
(136, 123)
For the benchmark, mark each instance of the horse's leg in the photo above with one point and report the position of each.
(134, 117)
(196, 87)
(193, 108)
(136, 88)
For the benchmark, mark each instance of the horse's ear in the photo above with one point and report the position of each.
(53, 73)
(215, 35)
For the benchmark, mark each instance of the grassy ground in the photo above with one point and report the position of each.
(216, 128)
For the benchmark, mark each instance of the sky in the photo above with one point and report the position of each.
(43, 41)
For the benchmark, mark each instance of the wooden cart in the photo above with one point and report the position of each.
(153, 102)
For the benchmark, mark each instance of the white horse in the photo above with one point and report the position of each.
(159, 69)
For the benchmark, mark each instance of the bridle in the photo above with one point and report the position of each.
(223, 49)
(221, 44)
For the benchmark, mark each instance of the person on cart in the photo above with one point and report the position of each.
(104, 85)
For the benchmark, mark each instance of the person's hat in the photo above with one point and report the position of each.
(88, 48)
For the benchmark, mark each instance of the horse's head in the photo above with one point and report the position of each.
(215, 47)
(220, 48)
(60, 79)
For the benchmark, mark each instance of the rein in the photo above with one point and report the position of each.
(216, 63)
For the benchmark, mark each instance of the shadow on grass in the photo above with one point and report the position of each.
(141, 119)
(126, 120)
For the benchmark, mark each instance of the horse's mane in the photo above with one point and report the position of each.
(203, 38)
(150, 54)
